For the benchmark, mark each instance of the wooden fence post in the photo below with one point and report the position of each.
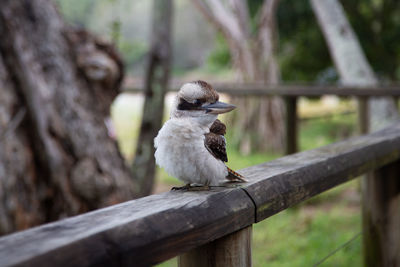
(381, 216)
(363, 114)
(230, 251)
(291, 125)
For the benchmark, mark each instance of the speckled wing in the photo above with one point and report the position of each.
(215, 143)
(218, 128)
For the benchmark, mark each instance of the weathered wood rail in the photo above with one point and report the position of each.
(290, 93)
(213, 227)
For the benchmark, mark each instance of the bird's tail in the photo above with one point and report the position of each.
(234, 176)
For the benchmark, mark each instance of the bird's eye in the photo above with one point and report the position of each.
(198, 102)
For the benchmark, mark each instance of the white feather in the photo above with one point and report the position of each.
(180, 150)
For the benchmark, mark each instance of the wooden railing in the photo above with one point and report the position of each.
(291, 93)
(213, 228)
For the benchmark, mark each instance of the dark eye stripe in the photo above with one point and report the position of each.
(184, 105)
(200, 101)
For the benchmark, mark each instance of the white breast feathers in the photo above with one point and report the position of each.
(180, 150)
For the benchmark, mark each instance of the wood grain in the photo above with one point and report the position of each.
(231, 250)
(141, 232)
(381, 216)
(291, 125)
(152, 229)
(362, 106)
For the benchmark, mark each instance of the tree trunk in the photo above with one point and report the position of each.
(56, 158)
(254, 58)
(350, 61)
(157, 75)
(380, 191)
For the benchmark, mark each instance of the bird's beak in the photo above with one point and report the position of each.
(218, 107)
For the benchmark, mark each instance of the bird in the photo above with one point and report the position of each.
(191, 145)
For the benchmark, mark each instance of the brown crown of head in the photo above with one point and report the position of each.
(210, 94)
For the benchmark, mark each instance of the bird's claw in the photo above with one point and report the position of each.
(185, 187)
(188, 187)
(199, 188)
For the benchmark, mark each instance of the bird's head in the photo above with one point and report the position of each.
(199, 101)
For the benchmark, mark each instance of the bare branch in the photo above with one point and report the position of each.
(267, 25)
(222, 17)
(239, 41)
(241, 10)
(268, 10)
(267, 39)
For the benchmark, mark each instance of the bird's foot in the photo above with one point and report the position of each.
(185, 187)
(189, 187)
(200, 188)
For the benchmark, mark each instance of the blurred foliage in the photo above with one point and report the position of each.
(303, 53)
(106, 17)
(219, 57)
(377, 24)
(334, 128)
(127, 23)
(134, 52)
(116, 31)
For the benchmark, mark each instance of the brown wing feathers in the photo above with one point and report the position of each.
(216, 144)
(215, 141)
(218, 128)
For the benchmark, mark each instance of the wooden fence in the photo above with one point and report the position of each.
(291, 93)
(213, 228)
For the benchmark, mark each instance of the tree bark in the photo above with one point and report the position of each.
(57, 83)
(157, 75)
(254, 58)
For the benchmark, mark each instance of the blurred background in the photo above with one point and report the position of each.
(233, 42)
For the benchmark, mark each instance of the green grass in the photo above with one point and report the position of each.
(320, 132)
(301, 235)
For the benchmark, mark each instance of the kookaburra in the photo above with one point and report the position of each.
(191, 144)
